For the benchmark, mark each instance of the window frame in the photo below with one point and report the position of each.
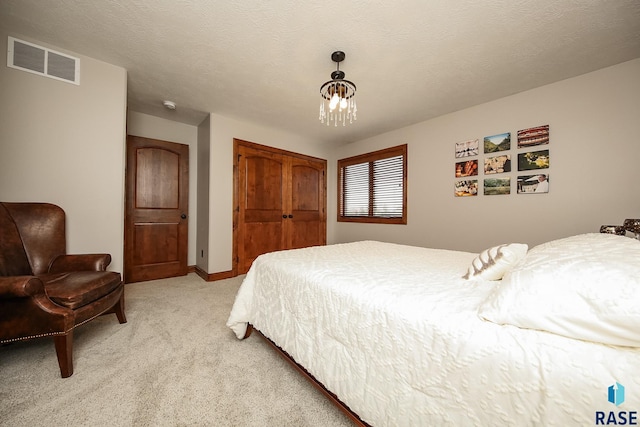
(400, 150)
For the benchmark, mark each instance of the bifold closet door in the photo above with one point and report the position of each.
(280, 202)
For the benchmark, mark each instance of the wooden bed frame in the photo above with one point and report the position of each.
(317, 384)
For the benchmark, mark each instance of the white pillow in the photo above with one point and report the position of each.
(492, 263)
(585, 287)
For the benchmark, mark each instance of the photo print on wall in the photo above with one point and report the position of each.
(533, 184)
(500, 142)
(466, 188)
(468, 148)
(468, 168)
(538, 135)
(533, 160)
(497, 186)
(497, 164)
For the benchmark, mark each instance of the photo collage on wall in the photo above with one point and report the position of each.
(490, 175)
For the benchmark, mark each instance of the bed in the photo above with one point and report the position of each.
(408, 336)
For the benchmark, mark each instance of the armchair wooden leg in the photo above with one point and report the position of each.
(119, 310)
(64, 350)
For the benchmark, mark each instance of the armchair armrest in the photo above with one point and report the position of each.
(84, 262)
(20, 286)
(27, 312)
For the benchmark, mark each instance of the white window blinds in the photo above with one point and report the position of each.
(373, 186)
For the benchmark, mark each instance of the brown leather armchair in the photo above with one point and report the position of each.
(44, 291)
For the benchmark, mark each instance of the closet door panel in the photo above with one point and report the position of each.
(307, 224)
(262, 189)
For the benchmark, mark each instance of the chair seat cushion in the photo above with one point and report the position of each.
(76, 289)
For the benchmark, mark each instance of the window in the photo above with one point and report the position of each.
(372, 187)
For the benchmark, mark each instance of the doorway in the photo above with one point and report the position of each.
(156, 209)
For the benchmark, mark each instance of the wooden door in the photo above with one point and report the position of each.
(280, 200)
(157, 209)
(262, 190)
(306, 224)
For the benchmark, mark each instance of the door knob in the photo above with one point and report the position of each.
(183, 216)
(290, 216)
(284, 216)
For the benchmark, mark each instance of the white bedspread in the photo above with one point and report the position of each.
(394, 332)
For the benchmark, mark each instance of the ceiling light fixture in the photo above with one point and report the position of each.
(338, 102)
(169, 105)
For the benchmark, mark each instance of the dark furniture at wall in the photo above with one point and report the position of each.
(45, 292)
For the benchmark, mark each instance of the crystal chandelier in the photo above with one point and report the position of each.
(338, 103)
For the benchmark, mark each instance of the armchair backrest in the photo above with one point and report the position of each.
(13, 258)
(31, 232)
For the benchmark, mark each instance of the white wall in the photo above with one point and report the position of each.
(146, 126)
(223, 131)
(64, 144)
(594, 148)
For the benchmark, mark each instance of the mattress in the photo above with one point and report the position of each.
(394, 332)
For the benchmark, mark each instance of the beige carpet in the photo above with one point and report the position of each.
(174, 363)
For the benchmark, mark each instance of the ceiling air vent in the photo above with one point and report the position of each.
(43, 61)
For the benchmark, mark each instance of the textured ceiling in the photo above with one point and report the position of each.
(264, 61)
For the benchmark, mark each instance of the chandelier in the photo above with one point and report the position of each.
(338, 103)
